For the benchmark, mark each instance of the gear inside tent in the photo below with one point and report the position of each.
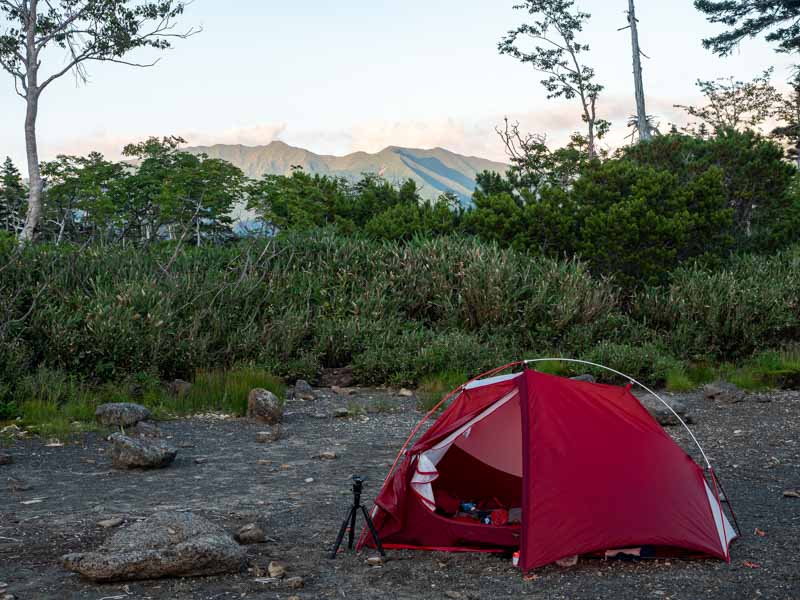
(552, 468)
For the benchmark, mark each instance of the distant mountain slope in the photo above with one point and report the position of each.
(435, 171)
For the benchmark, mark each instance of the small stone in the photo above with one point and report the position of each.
(341, 391)
(328, 455)
(264, 406)
(267, 437)
(186, 445)
(144, 429)
(319, 415)
(586, 378)
(251, 534)
(310, 480)
(375, 561)
(791, 493)
(6, 459)
(8, 596)
(293, 598)
(295, 583)
(303, 390)
(110, 523)
(263, 462)
(341, 413)
(405, 393)
(722, 391)
(276, 570)
(569, 561)
(121, 414)
(453, 594)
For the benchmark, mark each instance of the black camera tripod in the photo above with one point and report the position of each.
(350, 520)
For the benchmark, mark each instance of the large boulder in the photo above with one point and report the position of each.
(722, 391)
(264, 406)
(140, 452)
(121, 414)
(164, 545)
(664, 415)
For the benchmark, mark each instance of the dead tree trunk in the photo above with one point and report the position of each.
(641, 110)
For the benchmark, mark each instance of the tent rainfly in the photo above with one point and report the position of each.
(553, 468)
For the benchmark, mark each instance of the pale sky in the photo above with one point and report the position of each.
(336, 77)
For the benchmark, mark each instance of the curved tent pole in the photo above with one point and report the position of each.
(632, 380)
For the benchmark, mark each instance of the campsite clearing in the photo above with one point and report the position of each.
(299, 500)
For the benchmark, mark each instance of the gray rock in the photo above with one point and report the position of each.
(303, 390)
(585, 378)
(144, 429)
(251, 534)
(341, 413)
(143, 453)
(6, 459)
(121, 414)
(662, 414)
(111, 523)
(164, 545)
(267, 437)
(722, 391)
(264, 406)
(295, 583)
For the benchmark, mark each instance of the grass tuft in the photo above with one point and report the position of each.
(678, 380)
(224, 391)
(435, 387)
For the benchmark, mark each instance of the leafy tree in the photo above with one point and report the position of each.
(788, 113)
(184, 193)
(78, 197)
(298, 201)
(733, 104)
(534, 165)
(638, 224)
(755, 177)
(558, 54)
(12, 198)
(751, 18)
(85, 31)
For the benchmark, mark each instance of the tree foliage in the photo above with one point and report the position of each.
(780, 19)
(12, 198)
(558, 54)
(734, 104)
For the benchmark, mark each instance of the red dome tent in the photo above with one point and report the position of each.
(584, 465)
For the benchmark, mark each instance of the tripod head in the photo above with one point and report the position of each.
(358, 487)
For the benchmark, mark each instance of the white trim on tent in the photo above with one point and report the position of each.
(426, 473)
(490, 380)
(725, 530)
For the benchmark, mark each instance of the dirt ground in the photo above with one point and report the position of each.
(753, 444)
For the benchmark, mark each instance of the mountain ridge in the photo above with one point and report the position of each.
(435, 170)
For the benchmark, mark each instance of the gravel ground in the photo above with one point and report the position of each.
(753, 445)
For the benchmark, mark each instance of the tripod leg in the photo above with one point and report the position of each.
(372, 530)
(352, 533)
(340, 537)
